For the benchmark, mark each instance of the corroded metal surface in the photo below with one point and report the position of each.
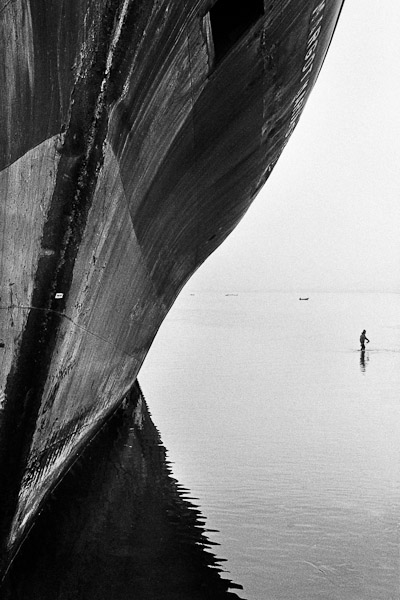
(131, 150)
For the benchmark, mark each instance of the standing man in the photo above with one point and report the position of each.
(363, 339)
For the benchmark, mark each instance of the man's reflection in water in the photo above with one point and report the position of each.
(363, 360)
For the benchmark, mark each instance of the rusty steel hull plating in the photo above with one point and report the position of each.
(135, 138)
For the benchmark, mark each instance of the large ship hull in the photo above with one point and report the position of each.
(136, 135)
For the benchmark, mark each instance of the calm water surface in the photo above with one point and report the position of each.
(288, 437)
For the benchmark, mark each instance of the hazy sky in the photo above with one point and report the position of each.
(329, 215)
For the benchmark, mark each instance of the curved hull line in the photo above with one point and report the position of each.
(159, 132)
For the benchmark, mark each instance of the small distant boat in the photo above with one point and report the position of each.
(304, 298)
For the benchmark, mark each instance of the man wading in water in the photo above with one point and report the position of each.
(363, 339)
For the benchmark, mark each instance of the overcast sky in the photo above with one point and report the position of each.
(328, 218)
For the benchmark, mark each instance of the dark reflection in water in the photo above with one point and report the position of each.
(363, 360)
(118, 527)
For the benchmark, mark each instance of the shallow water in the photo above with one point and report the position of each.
(288, 436)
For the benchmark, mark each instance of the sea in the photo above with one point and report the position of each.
(287, 436)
